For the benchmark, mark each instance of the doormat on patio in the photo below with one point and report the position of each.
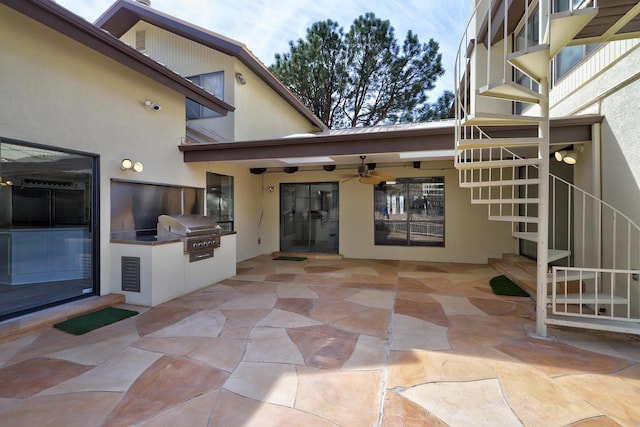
(502, 285)
(290, 258)
(88, 322)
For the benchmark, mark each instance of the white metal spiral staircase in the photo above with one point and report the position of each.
(498, 77)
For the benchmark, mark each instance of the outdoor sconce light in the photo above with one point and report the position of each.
(241, 79)
(128, 164)
(569, 157)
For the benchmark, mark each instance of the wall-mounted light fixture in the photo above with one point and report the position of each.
(150, 105)
(5, 183)
(270, 189)
(241, 79)
(569, 157)
(128, 164)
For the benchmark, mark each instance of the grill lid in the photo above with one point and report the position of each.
(186, 225)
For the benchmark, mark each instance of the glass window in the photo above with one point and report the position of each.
(410, 212)
(220, 199)
(212, 83)
(569, 57)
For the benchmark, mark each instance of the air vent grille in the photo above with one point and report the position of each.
(141, 40)
(131, 274)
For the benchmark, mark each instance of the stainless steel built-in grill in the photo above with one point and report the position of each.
(199, 233)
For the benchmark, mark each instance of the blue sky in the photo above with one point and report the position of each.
(266, 27)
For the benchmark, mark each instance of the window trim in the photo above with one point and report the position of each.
(379, 213)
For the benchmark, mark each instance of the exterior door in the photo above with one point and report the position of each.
(309, 217)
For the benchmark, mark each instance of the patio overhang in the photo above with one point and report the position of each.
(424, 142)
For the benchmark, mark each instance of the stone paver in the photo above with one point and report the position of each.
(326, 343)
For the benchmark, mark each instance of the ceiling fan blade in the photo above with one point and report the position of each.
(382, 175)
(349, 177)
(373, 180)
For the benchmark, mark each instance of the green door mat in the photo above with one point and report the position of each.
(502, 285)
(88, 322)
(290, 258)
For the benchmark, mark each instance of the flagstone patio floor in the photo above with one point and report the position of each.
(326, 343)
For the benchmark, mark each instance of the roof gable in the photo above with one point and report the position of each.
(65, 22)
(124, 14)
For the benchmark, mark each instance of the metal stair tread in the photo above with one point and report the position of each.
(513, 218)
(505, 201)
(566, 25)
(509, 90)
(526, 235)
(571, 276)
(485, 164)
(533, 61)
(556, 254)
(496, 119)
(500, 183)
(498, 142)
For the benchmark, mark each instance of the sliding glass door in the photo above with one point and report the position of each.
(47, 227)
(309, 217)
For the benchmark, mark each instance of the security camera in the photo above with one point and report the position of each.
(150, 105)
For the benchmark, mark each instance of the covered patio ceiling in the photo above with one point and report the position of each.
(381, 144)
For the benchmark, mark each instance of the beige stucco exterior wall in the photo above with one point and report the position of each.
(608, 83)
(469, 235)
(66, 95)
(260, 113)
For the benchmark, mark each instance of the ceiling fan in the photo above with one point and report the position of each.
(367, 175)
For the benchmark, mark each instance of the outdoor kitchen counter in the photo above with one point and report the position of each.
(161, 269)
(155, 240)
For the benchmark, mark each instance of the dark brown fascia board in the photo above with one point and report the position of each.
(323, 145)
(124, 14)
(563, 130)
(67, 23)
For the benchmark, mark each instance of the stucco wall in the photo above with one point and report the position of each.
(66, 95)
(469, 235)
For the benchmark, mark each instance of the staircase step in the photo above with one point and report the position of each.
(505, 183)
(496, 119)
(511, 218)
(533, 61)
(523, 271)
(498, 142)
(572, 276)
(486, 164)
(512, 91)
(522, 201)
(566, 25)
(588, 298)
(556, 254)
(600, 323)
(526, 235)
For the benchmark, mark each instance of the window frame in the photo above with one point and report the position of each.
(195, 111)
(224, 184)
(409, 221)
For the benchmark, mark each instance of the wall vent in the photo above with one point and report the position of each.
(141, 40)
(131, 274)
